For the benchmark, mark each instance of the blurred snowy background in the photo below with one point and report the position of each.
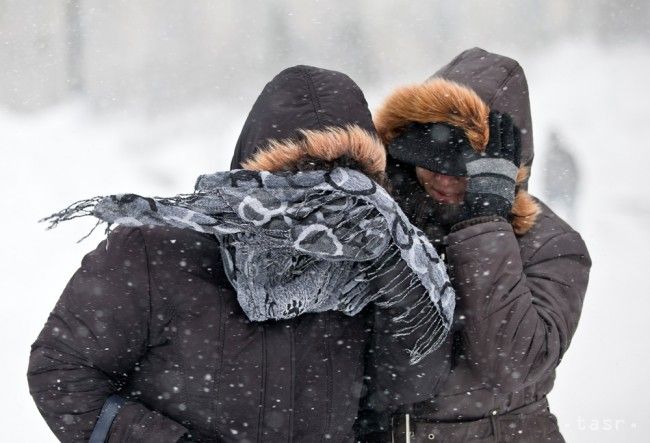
(99, 97)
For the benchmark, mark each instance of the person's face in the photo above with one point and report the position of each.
(442, 188)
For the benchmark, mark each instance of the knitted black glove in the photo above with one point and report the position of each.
(492, 173)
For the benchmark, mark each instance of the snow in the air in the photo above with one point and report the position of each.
(590, 95)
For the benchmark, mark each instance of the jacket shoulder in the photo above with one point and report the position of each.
(550, 235)
(168, 245)
(164, 246)
(169, 235)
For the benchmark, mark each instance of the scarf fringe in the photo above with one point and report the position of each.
(78, 209)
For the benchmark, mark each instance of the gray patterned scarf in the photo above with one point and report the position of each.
(295, 243)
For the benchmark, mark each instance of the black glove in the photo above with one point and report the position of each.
(405, 188)
(492, 174)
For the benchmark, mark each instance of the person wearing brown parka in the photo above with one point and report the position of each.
(238, 312)
(460, 151)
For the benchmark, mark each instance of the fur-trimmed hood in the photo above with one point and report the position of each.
(308, 114)
(329, 145)
(462, 94)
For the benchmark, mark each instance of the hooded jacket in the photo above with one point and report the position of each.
(519, 283)
(150, 314)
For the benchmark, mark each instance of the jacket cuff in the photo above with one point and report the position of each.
(137, 423)
(475, 221)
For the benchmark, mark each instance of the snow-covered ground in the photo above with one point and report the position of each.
(595, 97)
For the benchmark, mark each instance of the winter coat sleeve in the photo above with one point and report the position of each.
(92, 340)
(517, 317)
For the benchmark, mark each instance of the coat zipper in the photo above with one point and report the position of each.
(260, 420)
(293, 381)
(218, 366)
(330, 374)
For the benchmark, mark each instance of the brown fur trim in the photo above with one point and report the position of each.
(328, 144)
(435, 101)
(524, 209)
(443, 101)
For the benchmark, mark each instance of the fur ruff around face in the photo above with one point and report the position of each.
(439, 101)
(328, 145)
(443, 101)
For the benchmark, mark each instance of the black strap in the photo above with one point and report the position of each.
(109, 411)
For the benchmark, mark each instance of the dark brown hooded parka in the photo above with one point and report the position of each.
(151, 316)
(519, 283)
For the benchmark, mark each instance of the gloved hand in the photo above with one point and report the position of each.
(492, 173)
(405, 188)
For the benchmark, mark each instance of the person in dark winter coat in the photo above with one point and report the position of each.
(460, 150)
(152, 339)
(561, 176)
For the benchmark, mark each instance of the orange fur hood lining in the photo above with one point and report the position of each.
(443, 101)
(327, 144)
